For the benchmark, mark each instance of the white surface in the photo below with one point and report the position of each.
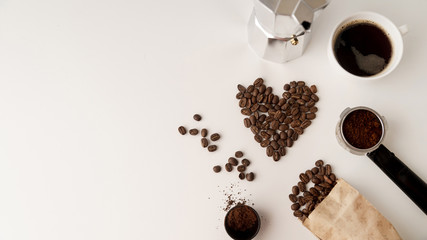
(92, 94)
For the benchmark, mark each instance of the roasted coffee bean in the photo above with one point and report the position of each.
(239, 95)
(298, 213)
(258, 138)
(241, 88)
(289, 142)
(254, 129)
(258, 82)
(295, 206)
(212, 148)
(204, 142)
(319, 163)
(246, 162)
(304, 178)
(292, 90)
(316, 180)
(295, 190)
(247, 122)
(204, 132)
(310, 103)
(311, 116)
(328, 169)
(228, 167)
(293, 198)
(193, 131)
(197, 117)
(250, 176)
(322, 170)
(182, 130)
(242, 176)
(301, 186)
(313, 109)
(332, 177)
(263, 108)
(327, 179)
(302, 200)
(315, 170)
(262, 88)
(299, 130)
(286, 87)
(241, 168)
(309, 174)
(238, 154)
(246, 111)
(217, 169)
(215, 137)
(319, 188)
(276, 156)
(250, 88)
(290, 132)
(305, 124)
(314, 97)
(282, 151)
(233, 161)
(295, 136)
(306, 98)
(325, 185)
(243, 102)
(307, 195)
(269, 151)
(314, 191)
(274, 144)
(313, 89)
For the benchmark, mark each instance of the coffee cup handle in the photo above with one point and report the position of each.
(412, 185)
(403, 29)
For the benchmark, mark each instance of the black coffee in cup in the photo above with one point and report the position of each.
(362, 48)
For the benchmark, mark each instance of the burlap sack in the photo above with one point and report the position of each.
(346, 214)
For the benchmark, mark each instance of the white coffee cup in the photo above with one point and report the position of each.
(393, 32)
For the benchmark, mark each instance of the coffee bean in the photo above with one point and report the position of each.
(298, 213)
(204, 142)
(258, 138)
(262, 88)
(215, 137)
(299, 130)
(304, 178)
(322, 170)
(239, 95)
(314, 97)
(217, 169)
(314, 191)
(301, 186)
(282, 151)
(327, 179)
(250, 88)
(295, 136)
(328, 169)
(316, 180)
(241, 168)
(243, 102)
(247, 122)
(182, 130)
(241, 88)
(305, 124)
(332, 177)
(254, 129)
(197, 117)
(250, 176)
(295, 206)
(286, 87)
(311, 116)
(269, 151)
(233, 161)
(295, 190)
(309, 174)
(315, 170)
(313, 109)
(325, 185)
(238, 154)
(276, 156)
(293, 197)
(193, 131)
(313, 89)
(228, 167)
(246, 162)
(242, 176)
(246, 111)
(289, 142)
(204, 132)
(212, 148)
(319, 163)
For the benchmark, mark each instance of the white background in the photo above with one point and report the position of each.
(92, 93)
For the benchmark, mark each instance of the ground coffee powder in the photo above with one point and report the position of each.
(362, 129)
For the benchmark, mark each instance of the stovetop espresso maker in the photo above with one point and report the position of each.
(280, 30)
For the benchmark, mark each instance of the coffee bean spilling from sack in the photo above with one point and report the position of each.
(277, 122)
(304, 198)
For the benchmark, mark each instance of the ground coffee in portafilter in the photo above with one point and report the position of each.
(362, 129)
(242, 222)
(315, 184)
(277, 122)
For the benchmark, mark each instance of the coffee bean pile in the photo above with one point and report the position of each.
(204, 134)
(304, 198)
(277, 122)
(241, 168)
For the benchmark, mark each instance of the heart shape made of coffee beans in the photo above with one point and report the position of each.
(277, 122)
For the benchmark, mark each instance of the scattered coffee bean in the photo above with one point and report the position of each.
(233, 161)
(246, 162)
(319, 163)
(204, 132)
(250, 176)
(212, 148)
(328, 169)
(242, 175)
(238, 154)
(313, 89)
(293, 197)
(304, 178)
(295, 206)
(182, 130)
(193, 131)
(215, 137)
(204, 142)
(295, 190)
(241, 168)
(197, 117)
(228, 167)
(217, 169)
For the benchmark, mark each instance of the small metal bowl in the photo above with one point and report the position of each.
(242, 235)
